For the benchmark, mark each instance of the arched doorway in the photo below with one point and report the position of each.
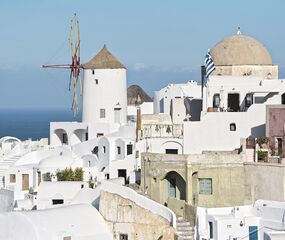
(61, 137)
(176, 186)
(194, 188)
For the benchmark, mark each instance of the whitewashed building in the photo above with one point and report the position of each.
(235, 96)
(264, 220)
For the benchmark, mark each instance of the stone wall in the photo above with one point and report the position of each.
(125, 217)
(225, 169)
(264, 181)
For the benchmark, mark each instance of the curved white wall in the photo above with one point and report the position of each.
(110, 90)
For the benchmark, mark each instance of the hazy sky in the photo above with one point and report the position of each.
(160, 41)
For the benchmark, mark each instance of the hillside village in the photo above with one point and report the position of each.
(203, 159)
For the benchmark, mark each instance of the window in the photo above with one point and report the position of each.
(216, 100)
(100, 135)
(93, 71)
(211, 230)
(248, 100)
(119, 150)
(171, 151)
(64, 138)
(86, 136)
(205, 186)
(233, 127)
(104, 149)
(102, 113)
(123, 236)
(96, 81)
(107, 176)
(12, 178)
(129, 149)
(57, 201)
(95, 150)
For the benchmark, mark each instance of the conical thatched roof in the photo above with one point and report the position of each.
(103, 60)
(136, 95)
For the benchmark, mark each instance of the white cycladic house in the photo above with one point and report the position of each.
(80, 221)
(163, 99)
(233, 108)
(264, 220)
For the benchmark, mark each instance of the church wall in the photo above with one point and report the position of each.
(264, 71)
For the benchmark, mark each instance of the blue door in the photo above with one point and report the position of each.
(253, 233)
(172, 188)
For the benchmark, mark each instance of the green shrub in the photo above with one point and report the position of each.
(69, 175)
(261, 155)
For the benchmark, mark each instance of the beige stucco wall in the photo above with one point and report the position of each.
(125, 217)
(225, 169)
(248, 70)
(264, 181)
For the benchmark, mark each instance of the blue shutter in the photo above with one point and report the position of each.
(253, 233)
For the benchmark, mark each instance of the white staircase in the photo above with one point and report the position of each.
(184, 229)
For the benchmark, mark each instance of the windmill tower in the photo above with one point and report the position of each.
(104, 93)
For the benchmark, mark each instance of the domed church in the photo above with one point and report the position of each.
(241, 55)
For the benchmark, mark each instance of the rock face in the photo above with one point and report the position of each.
(136, 95)
(130, 221)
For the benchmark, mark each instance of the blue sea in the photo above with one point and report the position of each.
(32, 123)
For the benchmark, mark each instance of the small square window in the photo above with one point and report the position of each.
(123, 236)
(100, 135)
(102, 113)
(233, 127)
(12, 178)
(205, 186)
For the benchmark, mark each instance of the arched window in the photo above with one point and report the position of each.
(216, 100)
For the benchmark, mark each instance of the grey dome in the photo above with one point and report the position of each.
(240, 50)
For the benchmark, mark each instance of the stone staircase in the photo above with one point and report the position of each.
(184, 229)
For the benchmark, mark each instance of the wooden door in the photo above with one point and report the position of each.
(25, 182)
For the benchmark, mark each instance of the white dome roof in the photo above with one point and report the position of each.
(240, 50)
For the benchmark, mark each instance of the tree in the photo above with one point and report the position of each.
(78, 174)
(69, 175)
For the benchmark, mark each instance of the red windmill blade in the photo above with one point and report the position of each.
(75, 66)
